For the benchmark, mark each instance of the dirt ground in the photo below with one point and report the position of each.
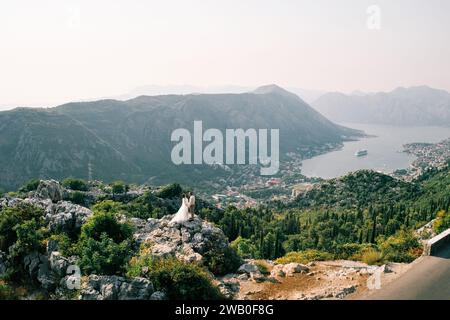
(324, 280)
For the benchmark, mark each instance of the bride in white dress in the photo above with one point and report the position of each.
(183, 213)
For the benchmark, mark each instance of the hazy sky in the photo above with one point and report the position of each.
(52, 51)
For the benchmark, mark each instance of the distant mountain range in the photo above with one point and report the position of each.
(130, 140)
(402, 106)
(306, 95)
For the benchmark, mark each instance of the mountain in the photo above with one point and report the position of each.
(130, 140)
(402, 106)
(156, 90)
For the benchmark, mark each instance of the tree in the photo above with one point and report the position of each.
(75, 184)
(442, 222)
(104, 256)
(105, 244)
(401, 247)
(245, 248)
(12, 217)
(118, 187)
(180, 280)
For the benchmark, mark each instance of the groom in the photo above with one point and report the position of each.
(191, 205)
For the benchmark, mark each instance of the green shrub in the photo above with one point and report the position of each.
(245, 248)
(179, 280)
(304, 256)
(401, 247)
(66, 245)
(263, 267)
(77, 197)
(31, 185)
(352, 251)
(7, 292)
(109, 206)
(118, 187)
(75, 184)
(105, 244)
(14, 216)
(371, 256)
(105, 222)
(442, 222)
(222, 261)
(104, 256)
(21, 232)
(29, 238)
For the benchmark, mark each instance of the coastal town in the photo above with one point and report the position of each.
(245, 188)
(428, 155)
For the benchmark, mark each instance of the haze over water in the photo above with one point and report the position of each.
(384, 150)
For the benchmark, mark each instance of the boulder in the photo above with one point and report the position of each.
(277, 271)
(158, 295)
(66, 216)
(386, 268)
(116, 288)
(38, 268)
(46, 278)
(229, 287)
(257, 277)
(248, 268)
(49, 189)
(32, 262)
(189, 241)
(58, 263)
(8, 202)
(291, 268)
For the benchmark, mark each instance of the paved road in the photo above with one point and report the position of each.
(429, 278)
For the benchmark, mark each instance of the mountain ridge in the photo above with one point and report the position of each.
(130, 140)
(419, 105)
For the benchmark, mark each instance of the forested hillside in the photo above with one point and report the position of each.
(131, 140)
(343, 217)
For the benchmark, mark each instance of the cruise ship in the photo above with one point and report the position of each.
(361, 153)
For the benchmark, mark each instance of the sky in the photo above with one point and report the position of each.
(55, 51)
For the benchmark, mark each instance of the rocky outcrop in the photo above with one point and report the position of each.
(288, 270)
(61, 216)
(8, 202)
(250, 271)
(330, 292)
(189, 241)
(66, 216)
(37, 266)
(158, 295)
(50, 189)
(47, 270)
(118, 288)
(229, 286)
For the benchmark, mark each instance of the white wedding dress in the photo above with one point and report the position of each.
(183, 213)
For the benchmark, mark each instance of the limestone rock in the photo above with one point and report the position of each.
(116, 288)
(248, 268)
(50, 189)
(291, 268)
(66, 216)
(229, 287)
(277, 271)
(158, 295)
(32, 262)
(190, 241)
(58, 263)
